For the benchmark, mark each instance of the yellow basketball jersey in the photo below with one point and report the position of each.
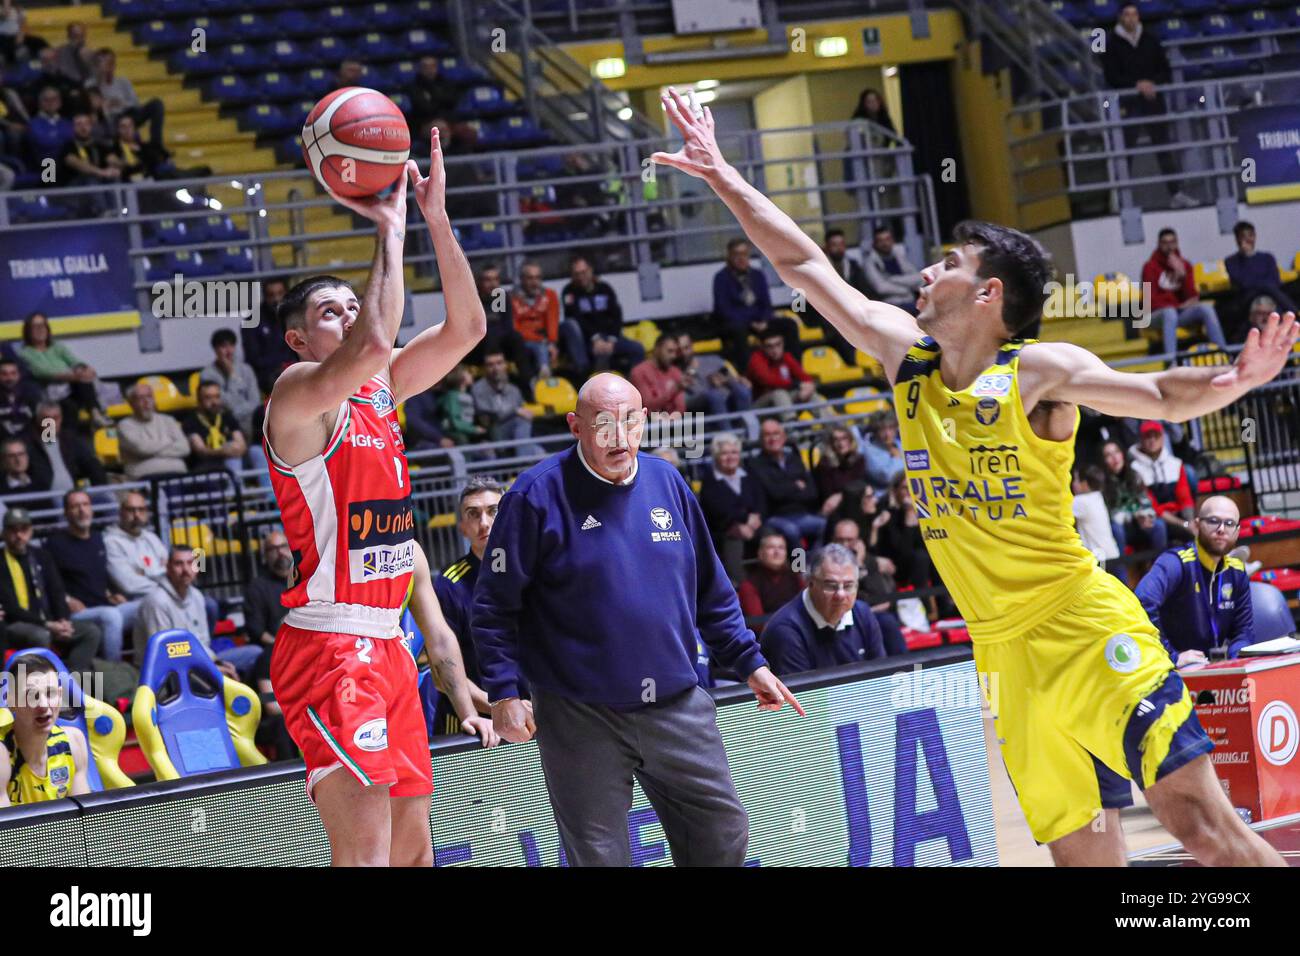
(993, 499)
(24, 785)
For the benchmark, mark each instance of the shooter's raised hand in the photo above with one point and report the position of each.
(699, 155)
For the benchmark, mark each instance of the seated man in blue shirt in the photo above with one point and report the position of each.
(1197, 596)
(826, 624)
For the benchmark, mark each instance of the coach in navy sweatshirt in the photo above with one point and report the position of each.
(607, 577)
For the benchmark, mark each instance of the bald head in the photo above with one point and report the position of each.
(608, 424)
(1217, 526)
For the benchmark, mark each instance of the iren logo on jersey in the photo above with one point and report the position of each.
(386, 521)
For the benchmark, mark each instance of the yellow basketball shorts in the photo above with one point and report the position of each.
(1082, 704)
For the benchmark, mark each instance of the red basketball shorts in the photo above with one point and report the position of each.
(351, 702)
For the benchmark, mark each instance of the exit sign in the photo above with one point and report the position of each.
(871, 41)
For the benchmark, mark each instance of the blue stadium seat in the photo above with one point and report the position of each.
(340, 20)
(250, 27)
(172, 232)
(216, 32)
(22, 74)
(102, 726)
(218, 228)
(238, 259)
(232, 90)
(1291, 16)
(1070, 12)
(299, 111)
(155, 269)
(1217, 25)
(39, 209)
(329, 49)
(1272, 616)
(277, 86)
(484, 100)
(192, 264)
(1192, 7)
(540, 167)
(1151, 10)
(1241, 4)
(402, 102)
(289, 150)
(294, 23)
(485, 235)
(266, 119)
(454, 71)
(161, 34)
(377, 46)
(1175, 28)
(170, 9)
(314, 83)
(428, 11)
(398, 76)
(512, 132)
(386, 16)
(189, 718)
(421, 42)
(131, 10)
(1256, 20)
(243, 58)
(1102, 11)
(194, 63)
(1221, 60)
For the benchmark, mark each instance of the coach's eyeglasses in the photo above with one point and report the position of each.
(835, 587)
(1214, 523)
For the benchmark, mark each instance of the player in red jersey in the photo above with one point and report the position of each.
(345, 682)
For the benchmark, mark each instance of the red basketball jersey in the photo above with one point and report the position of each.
(348, 518)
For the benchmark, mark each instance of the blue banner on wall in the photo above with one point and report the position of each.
(81, 273)
(1270, 137)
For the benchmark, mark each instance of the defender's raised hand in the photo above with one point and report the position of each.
(431, 190)
(699, 155)
(1262, 357)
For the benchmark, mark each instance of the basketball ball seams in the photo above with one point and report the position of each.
(379, 154)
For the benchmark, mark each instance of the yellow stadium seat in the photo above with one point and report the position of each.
(443, 521)
(645, 332)
(196, 534)
(556, 395)
(194, 385)
(824, 364)
(118, 410)
(1292, 273)
(166, 396)
(864, 361)
(707, 346)
(1207, 353)
(1211, 277)
(807, 333)
(866, 400)
(401, 416)
(108, 448)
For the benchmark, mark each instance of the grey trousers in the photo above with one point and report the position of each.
(590, 755)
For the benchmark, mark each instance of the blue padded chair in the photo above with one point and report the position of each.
(1272, 616)
(196, 63)
(238, 259)
(455, 71)
(329, 49)
(421, 42)
(103, 727)
(286, 55)
(172, 232)
(1175, 28)
(428, 11)
(314, 83)
(1218, 25)
(386, 16)
(428, 690)
(375, 46)
(219, 228)
(277, 86)
(131, 10)
(482, 99)
(339, 20)
(264, 119)
(250, 27)
(1256, 20)
(232, 90)
(294, 23)
(189, 718)
(243, 58)
(160, 34)
(1102, 11)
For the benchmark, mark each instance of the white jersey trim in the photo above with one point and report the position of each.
(359, 619)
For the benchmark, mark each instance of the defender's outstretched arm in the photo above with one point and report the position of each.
(883, 331)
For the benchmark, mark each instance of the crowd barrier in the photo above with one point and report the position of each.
(888, 768)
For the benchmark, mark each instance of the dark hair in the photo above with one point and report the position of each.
(13, 440)
(292, 311)
(27, 328)
(882, 227)
(1126, 484)
(1166, 232)
(1241, 227)
(580, 258)
(832, 233)
(663, 337)
(31, 664)
(176, 549)
(736, 243)
(477, 485)
(1019, 261)
(208, 383)
(222, 336)
(768, 531)
(8, 360)
(1094, 476)
(881, 118)
(75, 491)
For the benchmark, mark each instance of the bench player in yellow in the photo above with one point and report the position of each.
(1083, 696)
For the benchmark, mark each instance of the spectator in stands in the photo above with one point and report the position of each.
(890, 274)
(237, 379)
(153, 443)
(214, 436)
(883, 450)
(64, 377)
(501, 335)
(74, 58)
(431, 97)
(102, 127)
(14, 119)
(27, 46)
(81, 557)
(1132, 514)
(120, 98)
(583, 189)
(1174, 300)
(1254, 274)
(18, 399)
(49, 132)
(791, 496)
(537, 320)
(35, 739)
(825, 625)
(351, 72)
(87, 162)
(10, 21)
(594, 306)
(1261, 307)
(899, 537)
(71, 98)
(264, 345)
(263, 611)
(35, 602)
(841, 465)
(733, 503)
(499, 405)
(177, 603)
(60, 456)
(17, 478)
(1166, 480)
(1092, 517)
(770, 583)
(742, 306)
(871, 106)
(712, 386)
(659, 380)
(456, 417)
(137, 558)
(139, 161)
(779, 380)
(423, 429)
(454, 587)
(836, 249)
(1135, 59)
(861, 504)
(875, 583)
(1199, 597)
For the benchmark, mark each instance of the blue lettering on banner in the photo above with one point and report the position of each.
(533, 856)
(643, 853)
(916, 460)
(452, 853)
(856, 809)
(921, 728)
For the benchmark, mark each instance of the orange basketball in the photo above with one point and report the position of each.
(356, 141)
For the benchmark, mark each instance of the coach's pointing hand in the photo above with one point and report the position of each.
(513, 721)
(699, 154)
(771, 693)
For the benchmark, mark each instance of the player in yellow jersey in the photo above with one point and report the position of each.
(1083, 696)
(39, 760)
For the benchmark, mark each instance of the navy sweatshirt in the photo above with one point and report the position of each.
(594, 614)
(1177, 593)
(794, 643)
